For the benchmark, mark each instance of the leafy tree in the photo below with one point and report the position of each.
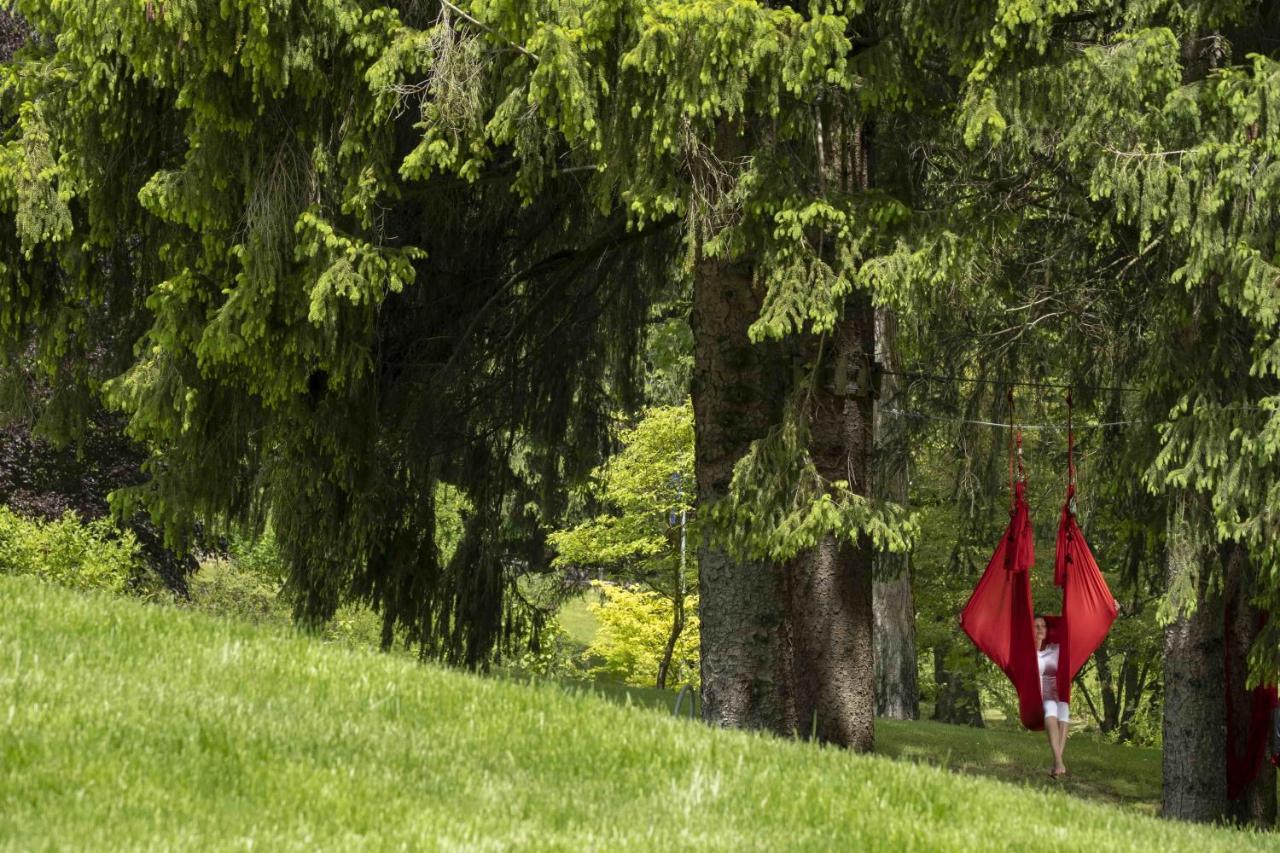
(1145, 122)
(648, 492)
(259, 214)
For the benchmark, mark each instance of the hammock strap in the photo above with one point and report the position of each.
(1071, 447)
(1011, 450)
(1015, 454)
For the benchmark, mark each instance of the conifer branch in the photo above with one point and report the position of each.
(488, 29)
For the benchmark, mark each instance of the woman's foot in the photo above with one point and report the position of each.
(1058, 772)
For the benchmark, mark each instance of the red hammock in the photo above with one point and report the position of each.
(1244, 763)
(999, 617)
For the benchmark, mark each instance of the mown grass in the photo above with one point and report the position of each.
(1109, 773)
(1100, 771)
(1125, 775)
(143, 727)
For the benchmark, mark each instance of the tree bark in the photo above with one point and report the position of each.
(745, 657)
(893, 604)
(1195, 786)
(830, 586)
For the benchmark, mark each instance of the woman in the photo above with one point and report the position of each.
(1056, 715)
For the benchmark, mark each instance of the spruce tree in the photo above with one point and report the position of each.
(304, 322)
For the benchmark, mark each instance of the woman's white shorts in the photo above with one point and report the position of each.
(1057, 709)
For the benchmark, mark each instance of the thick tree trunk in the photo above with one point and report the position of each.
(1195, 785)
(830, 586)
(1256, 804)
(745, 658)
(1194, 758)
(893, 604)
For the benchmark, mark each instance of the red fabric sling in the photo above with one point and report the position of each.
(999, 616)
(1088, 608)
(1244, 760)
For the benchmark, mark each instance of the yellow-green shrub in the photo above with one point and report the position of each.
(635, 625)
(93, 555)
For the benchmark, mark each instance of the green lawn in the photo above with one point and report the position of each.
(145, 727)
(1099, 771)
(577, 620)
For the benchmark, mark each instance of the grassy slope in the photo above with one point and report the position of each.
(143, 727)
(1124, 775)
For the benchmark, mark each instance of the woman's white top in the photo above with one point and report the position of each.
(1048, 660)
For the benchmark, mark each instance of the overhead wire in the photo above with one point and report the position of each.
(899, 413)
(1014, 383)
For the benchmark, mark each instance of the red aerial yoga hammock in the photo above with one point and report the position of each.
(999, 617)
(1244, 763)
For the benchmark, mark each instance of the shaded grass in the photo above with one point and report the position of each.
(130, 726)
(1101, 771)
(1126, 775)
(1110, 773)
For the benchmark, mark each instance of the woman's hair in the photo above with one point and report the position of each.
(1049, 635)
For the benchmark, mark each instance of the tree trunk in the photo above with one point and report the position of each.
(1195, 785)
(1107, 689)
(677, 628)
(829, 587)
(893, 604)
(1194, 758)
(745, 655)
(1256, 804)
(958, 701)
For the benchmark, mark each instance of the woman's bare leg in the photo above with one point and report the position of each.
(1054, 731)
(1063, 726)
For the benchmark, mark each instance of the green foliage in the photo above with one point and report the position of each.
(237, 591)
(669, 362)
(250, 586)
(635, 626)
(299, 318)
(555, 657)
(68, 552)
(647, 488)
(780, 505)
(259, 556)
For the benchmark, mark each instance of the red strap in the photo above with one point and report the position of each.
(1071, 447)
(1015, 452)
(1011, 490)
